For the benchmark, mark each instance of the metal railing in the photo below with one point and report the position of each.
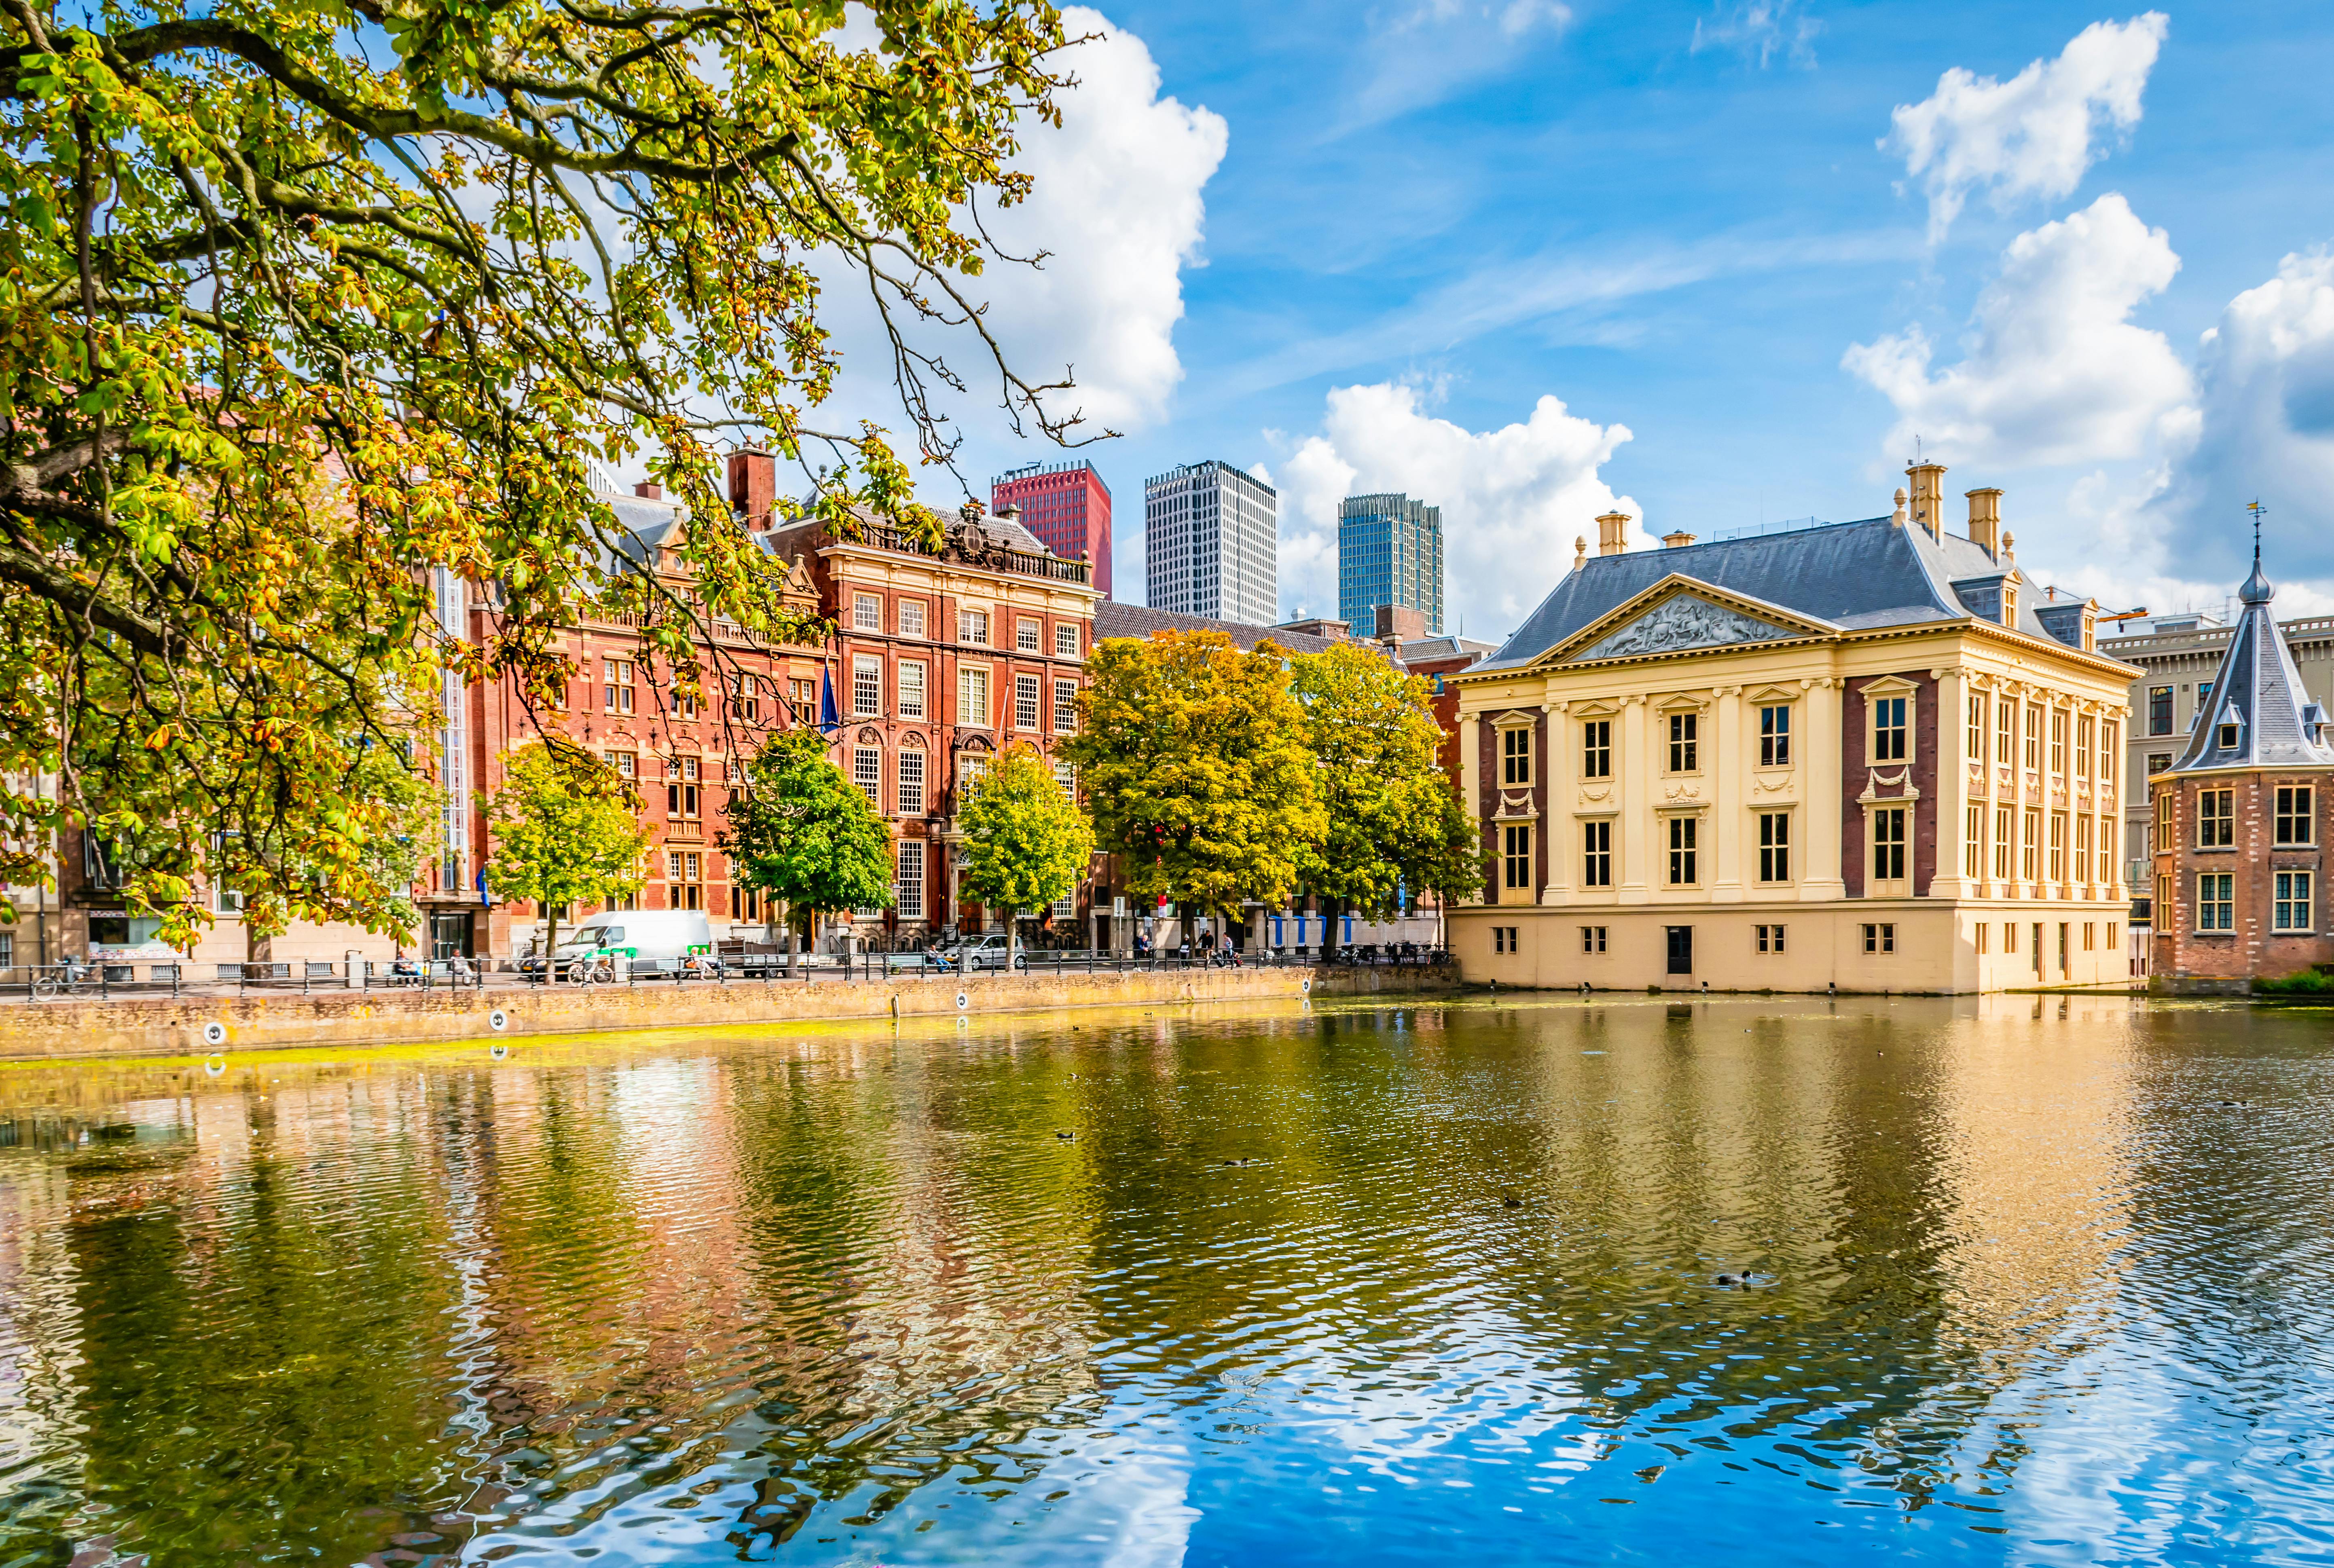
(862, 968)
(109, 981)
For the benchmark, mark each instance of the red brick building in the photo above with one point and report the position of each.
(1066, 507)
(2242, 822)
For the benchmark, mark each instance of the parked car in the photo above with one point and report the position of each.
(649, 938)
(989, 952)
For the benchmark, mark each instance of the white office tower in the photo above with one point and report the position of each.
(1211, 544)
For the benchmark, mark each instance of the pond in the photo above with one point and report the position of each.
(2018, 1280)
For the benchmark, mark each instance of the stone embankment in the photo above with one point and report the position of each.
(183, 1025)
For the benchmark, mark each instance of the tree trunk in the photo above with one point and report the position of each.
(1331, 909)
(550, 941)
(1012, 939)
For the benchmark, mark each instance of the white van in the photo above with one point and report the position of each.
(649, 937)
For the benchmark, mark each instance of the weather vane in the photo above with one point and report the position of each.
(2257, 509)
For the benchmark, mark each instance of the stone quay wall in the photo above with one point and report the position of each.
(180, 1026)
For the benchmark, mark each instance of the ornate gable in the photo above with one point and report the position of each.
(1680, 622)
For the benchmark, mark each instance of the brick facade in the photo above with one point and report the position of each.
(2255, 948)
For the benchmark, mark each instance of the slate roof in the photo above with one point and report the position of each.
(1112, 618)
(1874, 572)
(1434, 649)
(2259, 690)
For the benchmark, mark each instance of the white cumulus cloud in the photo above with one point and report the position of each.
(1513, 499)
(1118, 204)
(2055, 372)
(2034, 135)
(2266, 432)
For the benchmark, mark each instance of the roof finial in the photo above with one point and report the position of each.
(2257, 590)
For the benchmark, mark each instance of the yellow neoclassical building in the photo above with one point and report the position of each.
(1868, 755)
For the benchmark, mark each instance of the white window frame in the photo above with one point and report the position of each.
(2295, 894)
(1065, 640)
(971, 714)
(867, 612)
(910, 768)
(867, 685)
(867, 772)
(911, 688)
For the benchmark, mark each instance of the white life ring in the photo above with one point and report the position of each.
(1308, 987)
(962, 1001)
(498, 1019)
(215, 1033)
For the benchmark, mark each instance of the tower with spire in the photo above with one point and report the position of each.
(2241, 820)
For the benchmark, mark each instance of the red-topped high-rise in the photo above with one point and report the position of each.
(1067, 505)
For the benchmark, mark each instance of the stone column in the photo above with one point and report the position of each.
(1727, 762)
(1952, 880)
(1563, 789)
(1826, 773)
(1633, 792)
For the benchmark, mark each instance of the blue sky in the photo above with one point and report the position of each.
(1424, 218)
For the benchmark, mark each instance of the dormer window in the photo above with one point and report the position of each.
(2227, 740)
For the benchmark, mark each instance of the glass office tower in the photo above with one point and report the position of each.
(1389, 551)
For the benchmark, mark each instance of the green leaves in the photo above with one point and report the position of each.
(1393, 823)
(564, 828)
(1028, 842)
(1192, 757)
(289, 322)
(804, 833)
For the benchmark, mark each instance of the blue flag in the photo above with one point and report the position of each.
(830, 718)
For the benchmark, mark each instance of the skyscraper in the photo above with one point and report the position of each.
(1389, 551)
(1067, 505)
(1211, 544)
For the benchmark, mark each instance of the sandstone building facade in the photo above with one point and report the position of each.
(1871, 755)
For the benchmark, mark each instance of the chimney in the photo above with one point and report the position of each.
(1985, 520)
(1928, 495)
(752, 485)
(1677, 540)
(1611, 539)
(649, 490)
(1399, 623)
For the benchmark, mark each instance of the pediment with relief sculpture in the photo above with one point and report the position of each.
(1679, 615)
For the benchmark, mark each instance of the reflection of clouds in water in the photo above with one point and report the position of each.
(1139, 1517)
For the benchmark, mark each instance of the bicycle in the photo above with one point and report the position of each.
(67, 980)
(596, 968)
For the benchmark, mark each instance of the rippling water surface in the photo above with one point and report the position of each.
(2030, 1282)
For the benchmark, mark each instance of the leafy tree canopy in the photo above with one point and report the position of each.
(803, 833)
(1026, 841)
(300, 303)
(1390, 821)
(1192, 757)
(564, 828)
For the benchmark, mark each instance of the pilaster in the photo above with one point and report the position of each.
(1827, 782)
(1728, 764)
(1952, 880)
(1563, 790)
(1632, 782)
